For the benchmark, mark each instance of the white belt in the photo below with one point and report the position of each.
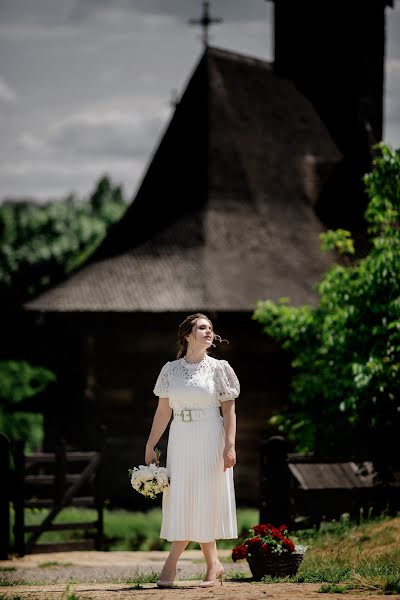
(196, 414)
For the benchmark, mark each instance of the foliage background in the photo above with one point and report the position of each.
(39, 246)
(345, 353)
(18, 381)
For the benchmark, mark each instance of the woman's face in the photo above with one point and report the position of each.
(202, 333)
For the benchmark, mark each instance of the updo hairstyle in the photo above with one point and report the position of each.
(185, 329)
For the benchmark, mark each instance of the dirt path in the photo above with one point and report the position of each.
(185, 590)
(112, 575)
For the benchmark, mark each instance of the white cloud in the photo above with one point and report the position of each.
(120, 20)
(43, 180)
(392, 101)
(28, 142)
(73, 152)
(113, 134)
(86, 83)
(181, 10)
(7, 94)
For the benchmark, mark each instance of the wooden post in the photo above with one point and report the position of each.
(5, 496)
(19, 499)
(275, 493)
(99, 490)
(60, 477)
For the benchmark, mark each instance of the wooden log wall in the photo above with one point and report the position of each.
(107, 365)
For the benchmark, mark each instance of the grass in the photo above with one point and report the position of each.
(53, 563)
(7, 583)
(351, 536)
(67, 595)
(7, 569)
(237, 575)
(344, 556)
(333, 588)
(151, 577)
(392, 586)
(125, 530)
(14, 582)
(378, 575)
(142, 578)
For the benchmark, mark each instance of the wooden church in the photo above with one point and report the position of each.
(252, 166)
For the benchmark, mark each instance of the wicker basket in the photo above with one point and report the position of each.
(280, 565)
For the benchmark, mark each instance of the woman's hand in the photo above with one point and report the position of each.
(229, 457)
(150, 456)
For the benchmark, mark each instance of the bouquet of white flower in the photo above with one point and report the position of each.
(149, 480)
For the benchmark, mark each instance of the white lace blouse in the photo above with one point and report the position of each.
(197, 385)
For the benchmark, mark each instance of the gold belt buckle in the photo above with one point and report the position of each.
(186, 410)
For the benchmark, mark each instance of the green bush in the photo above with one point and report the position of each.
(18, 381)
(345, 353)
(42, 243)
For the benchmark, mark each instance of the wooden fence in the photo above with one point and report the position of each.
(50, 480)
(303, 489)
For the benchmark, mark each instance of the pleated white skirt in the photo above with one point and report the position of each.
(199, 504)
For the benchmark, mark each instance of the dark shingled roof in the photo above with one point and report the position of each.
(224, 214)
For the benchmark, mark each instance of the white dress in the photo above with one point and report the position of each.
(199, 504)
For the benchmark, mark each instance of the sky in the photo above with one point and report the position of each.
(86, 86)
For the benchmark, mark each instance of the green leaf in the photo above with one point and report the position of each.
(345, 353)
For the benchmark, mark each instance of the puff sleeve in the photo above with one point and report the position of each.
(227, 384)
(161, 389)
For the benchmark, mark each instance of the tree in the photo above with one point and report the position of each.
(18, 381)
(345, 353)
(41, 244)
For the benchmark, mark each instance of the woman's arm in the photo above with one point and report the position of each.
(160, 421)
(229, 415)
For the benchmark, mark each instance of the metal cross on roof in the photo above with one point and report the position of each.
(205, 21)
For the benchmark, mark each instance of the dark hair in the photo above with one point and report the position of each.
(185, 328)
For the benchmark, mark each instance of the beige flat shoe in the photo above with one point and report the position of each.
(211, 582)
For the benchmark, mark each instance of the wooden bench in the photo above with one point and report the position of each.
(306, 489)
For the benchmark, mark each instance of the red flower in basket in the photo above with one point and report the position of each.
(269, 551)
(265, 549)
(288, 545)
(239, 552)
(253, 543)
(261, 529)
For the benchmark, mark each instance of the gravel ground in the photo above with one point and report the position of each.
(107, 567)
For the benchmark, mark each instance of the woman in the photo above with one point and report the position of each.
(199, 504)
